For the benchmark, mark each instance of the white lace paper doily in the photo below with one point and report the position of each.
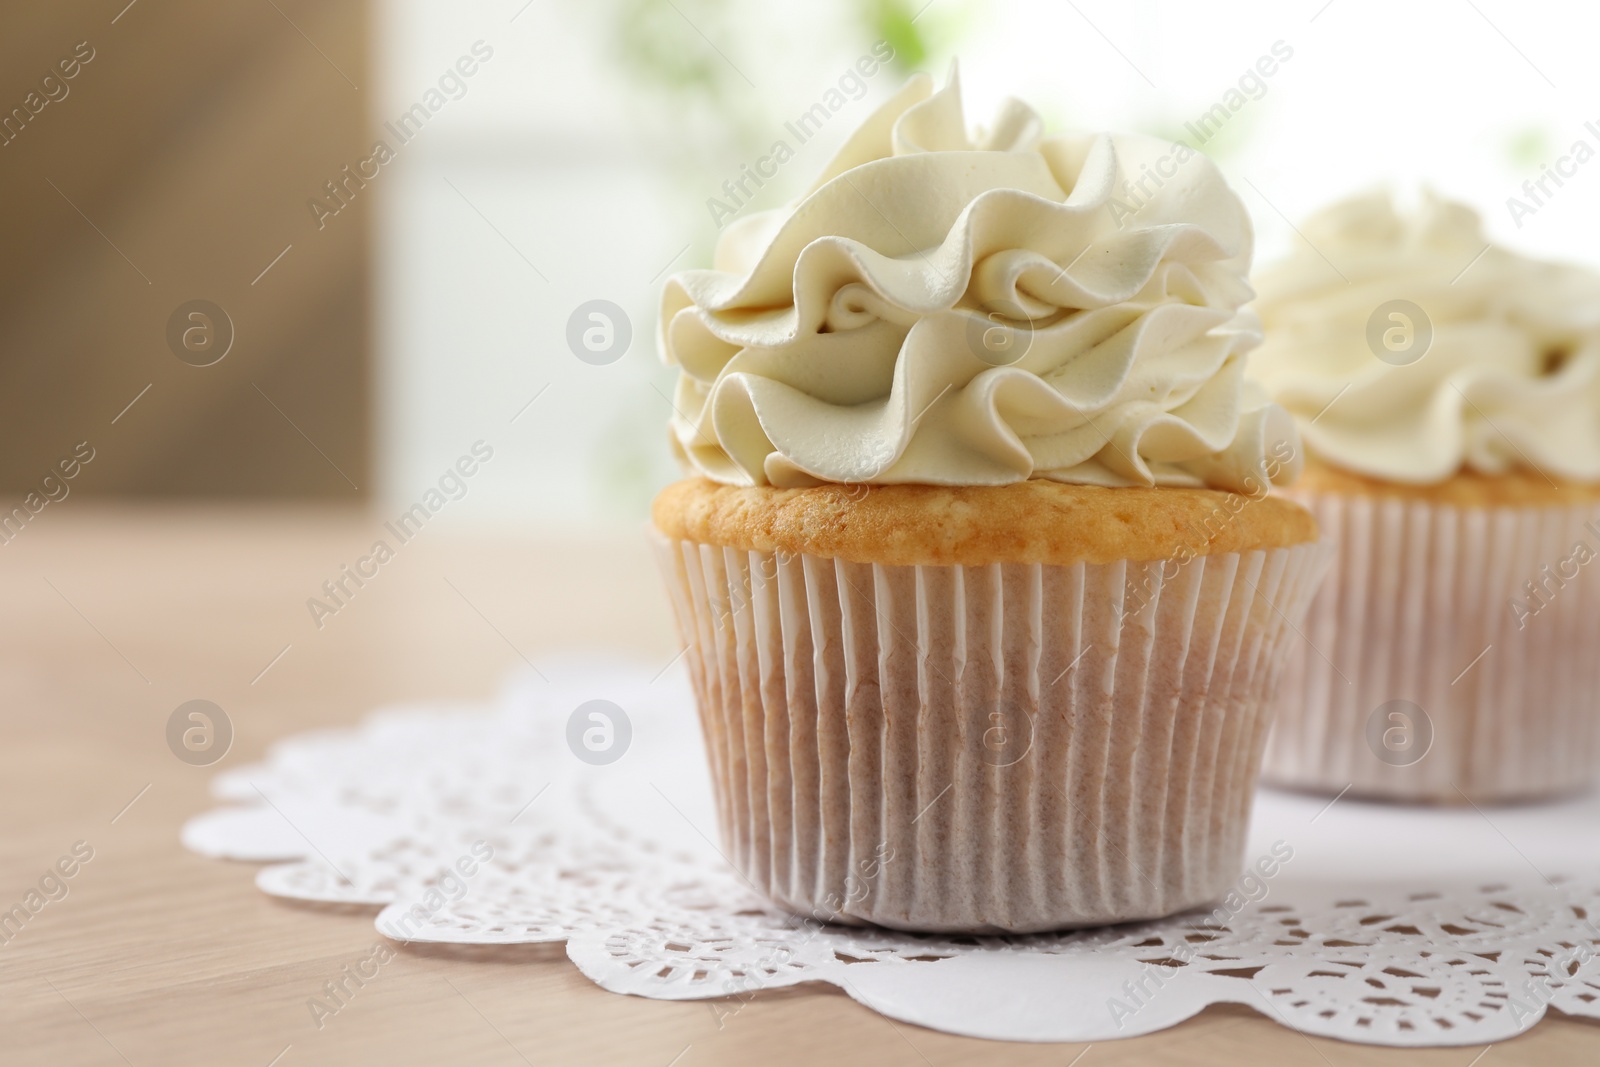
(479, 825)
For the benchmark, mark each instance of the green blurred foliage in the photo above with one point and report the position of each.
(1528, 147)
(894, 21)
(650, 37)
(921, 32)
(668, 50)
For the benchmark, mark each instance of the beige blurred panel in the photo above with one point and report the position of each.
(177, 165)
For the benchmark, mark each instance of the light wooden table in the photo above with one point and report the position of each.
(111, 617)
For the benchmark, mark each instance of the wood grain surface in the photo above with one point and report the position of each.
(112, 617)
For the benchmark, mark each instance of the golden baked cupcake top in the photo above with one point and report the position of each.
(1035, 521)
(1467, 489)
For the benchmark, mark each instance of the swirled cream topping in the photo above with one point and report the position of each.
(1409, 348)
(953, 310)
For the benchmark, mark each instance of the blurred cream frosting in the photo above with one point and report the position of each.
(982, 309)
(1510, 377)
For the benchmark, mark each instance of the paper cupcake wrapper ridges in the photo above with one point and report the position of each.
(989, 748)
(1431, 671)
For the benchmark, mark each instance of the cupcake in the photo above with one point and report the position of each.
(983, 589)
(1448, 392)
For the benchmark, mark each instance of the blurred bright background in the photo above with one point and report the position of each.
(575, 164)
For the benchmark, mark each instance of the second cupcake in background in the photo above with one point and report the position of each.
(1448, 392)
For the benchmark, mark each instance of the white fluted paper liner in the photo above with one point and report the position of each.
(978, 749)
(1420, 607)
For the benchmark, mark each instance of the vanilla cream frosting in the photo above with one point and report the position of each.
(945, 309)
(1511, 378)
